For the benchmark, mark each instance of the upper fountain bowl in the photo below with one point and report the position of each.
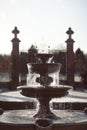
(44, 57)
(45, 68)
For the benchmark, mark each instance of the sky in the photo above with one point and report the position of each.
(43, 23)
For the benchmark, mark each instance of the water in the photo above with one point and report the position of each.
(26, 116)
(5, 77)
(32, 76)
(55, 77)
(31, 80)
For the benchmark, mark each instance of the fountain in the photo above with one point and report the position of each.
(45, 91)
(47, 88)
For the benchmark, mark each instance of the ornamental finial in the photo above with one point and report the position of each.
(15, 32)
(70, 32)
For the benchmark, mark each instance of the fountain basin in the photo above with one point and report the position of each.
(24, 120)
(44, 57)
(45, 68)
(51, 92)
(44, 95)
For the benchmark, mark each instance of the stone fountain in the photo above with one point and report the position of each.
(45, 91)
(47, 88)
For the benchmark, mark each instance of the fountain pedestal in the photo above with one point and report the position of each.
(44, 109)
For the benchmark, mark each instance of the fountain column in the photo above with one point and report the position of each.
(15, 59)
(70, 58)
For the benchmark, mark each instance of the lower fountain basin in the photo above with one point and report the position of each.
(44, 95)
(24, 120)
(50, 92)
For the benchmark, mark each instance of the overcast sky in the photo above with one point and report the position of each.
(43, 23)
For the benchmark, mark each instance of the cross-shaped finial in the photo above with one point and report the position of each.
(15, 32)
(69, 32)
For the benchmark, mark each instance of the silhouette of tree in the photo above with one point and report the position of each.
(80, 62)
(26, 58)
(23, 62)
(32, 54)
(5, 63)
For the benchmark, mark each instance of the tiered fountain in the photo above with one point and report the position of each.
(47, 88)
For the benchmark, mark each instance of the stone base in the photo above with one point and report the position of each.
(81, 126)
(16, 120)
(11, 105)
(69, 105)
